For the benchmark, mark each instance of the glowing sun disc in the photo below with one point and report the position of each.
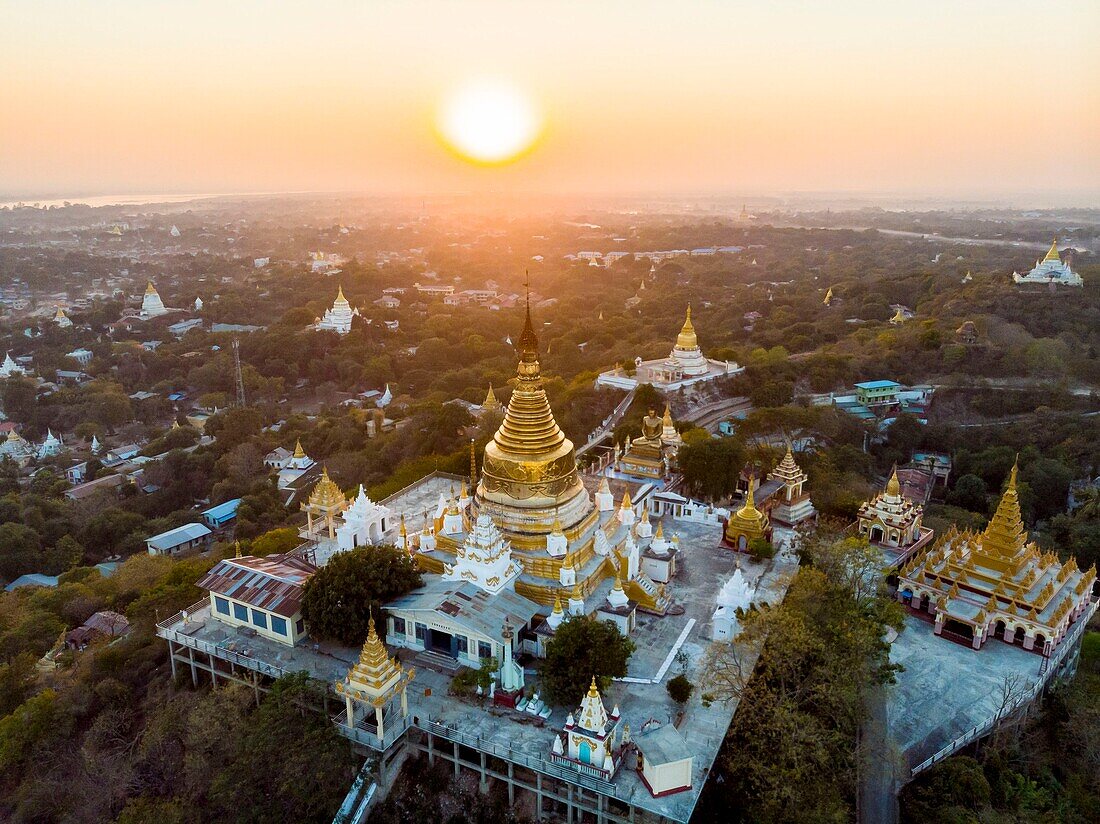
(488, 121)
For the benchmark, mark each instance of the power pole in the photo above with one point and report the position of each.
(240, 376)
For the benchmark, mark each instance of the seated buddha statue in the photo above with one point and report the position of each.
(650, 440)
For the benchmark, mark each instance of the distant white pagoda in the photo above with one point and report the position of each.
(61, 319)
(484, 558)
(16, 448)
(1051, 270)
(53, 445)
(10, 367)
(198, 304)
(737, 593)
(151, 304)
(338, 318)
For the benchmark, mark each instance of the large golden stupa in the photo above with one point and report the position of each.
(529, 477)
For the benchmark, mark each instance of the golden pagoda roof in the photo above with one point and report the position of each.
(491, 401)
(326, 494)
(298, 451)
(150, 289)
(667, 419)
(687, 338)
(1052, 253)
(529, 427)
(893, 486)
(1005, 535)
(375, 673)
(59, 314)
(340, 295)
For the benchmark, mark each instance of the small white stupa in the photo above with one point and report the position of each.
(151, 304)
(10, 367)
(484, 558)
(53, 445)
(736, 593)
(198, 304)
(61, 319)
(338, 318)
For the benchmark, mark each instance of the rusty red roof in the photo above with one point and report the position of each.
(274, 583)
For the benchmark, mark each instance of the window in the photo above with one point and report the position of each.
(484, 650)
(462, 643)
(300, 627)
(259, 618)
(278, 625)
(421, 632)
(240, 612)
(398, 625)
(221, 605)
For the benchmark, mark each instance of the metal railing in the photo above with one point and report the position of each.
(1033, 691)
(367, 734)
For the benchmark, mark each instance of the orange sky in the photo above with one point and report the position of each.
(966, 99)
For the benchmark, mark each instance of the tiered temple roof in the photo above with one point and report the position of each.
(998, 582)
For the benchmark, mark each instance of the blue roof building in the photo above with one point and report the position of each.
(218, 516)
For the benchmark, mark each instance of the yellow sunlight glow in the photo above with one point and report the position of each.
(488, 121)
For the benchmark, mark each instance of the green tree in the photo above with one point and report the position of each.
(19, 550)
(19, 399)
(970, 493)
(711, 466)
(680, 688)
(582, 648)
(275, 541)
(341, 597)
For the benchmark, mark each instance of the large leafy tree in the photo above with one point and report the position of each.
(581, 648)
(711, 466)
(340, 598)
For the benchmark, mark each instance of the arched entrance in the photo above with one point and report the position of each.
(742, 543)
(1041, 643)
(924, 602)
(999, 629)
(1018, 636)
(876, 535)
(585, 752)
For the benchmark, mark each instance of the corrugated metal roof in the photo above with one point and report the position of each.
(177, 536)
(274, 583)
(470, 606)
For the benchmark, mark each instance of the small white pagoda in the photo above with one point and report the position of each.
(592, 743)
(61, 319)
(736, 593)
(52, 445)
(10, 367)
(364, 522)
(151, 304)
(484, 558)
(338, 318)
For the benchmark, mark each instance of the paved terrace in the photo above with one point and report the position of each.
(950, 694)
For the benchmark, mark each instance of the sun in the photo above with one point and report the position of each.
(488, 121)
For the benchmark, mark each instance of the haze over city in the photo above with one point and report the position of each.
(961, 100)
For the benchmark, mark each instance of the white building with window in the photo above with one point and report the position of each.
(460, 620)
(262, 594)
(178, 541)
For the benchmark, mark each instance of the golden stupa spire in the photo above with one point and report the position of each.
(150, 289)
(340, 294)
(237, 549)
(660, 529)
(1005, 534)
(404, 534)
(592, 691)
(667, 421)
(749, 510)
(473, 466)
(893, 486)
(326, 494)
(1052, 253)
(298, 451)
(687, 338)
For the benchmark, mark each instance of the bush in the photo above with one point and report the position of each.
(680, 688)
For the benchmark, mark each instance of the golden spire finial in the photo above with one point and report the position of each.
(473, 464)
(150, 289)
(298, 451)
(687, 338)
(668, 415)
(576, 595)
(592, 691)
(893, 486)
(340, 294)
(749, 509)
(237, 549)
(626, 500)
(660, 529)
(1052, 253)
(557, 603)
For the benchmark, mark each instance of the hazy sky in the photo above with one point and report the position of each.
(969, 98)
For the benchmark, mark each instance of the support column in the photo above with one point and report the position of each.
(381, 729)
(538, 796)
(172, 658)
(350, 707)
(457, 767)
(213, 673)
(431, 748)
(194, 672)
(483, 786)
(511, 784)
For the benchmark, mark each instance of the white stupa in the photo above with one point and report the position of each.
(364, 522)
(736, 593)
(16, 448)
(174, 232)
(10, 367)
(96, 447)
(61, 319)
(151, 304)
(198, 304)
(53, 445)
(338, 318)
(1050, 269)
(484, 559)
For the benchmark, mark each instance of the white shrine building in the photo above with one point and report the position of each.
(685, 365)
(1051, 270)
(338, 318)
(593, 743)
